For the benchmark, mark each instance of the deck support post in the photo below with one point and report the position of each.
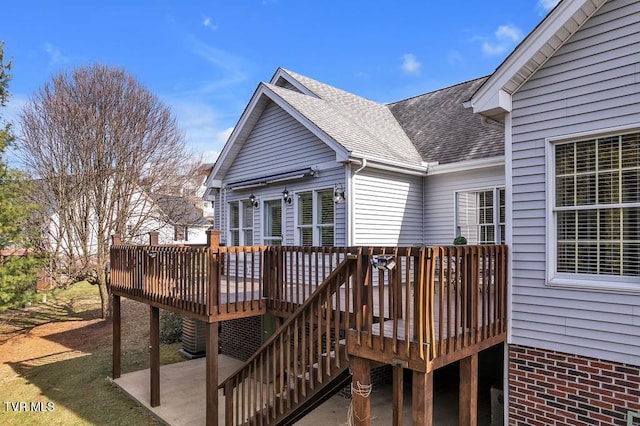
(117, 327)
(422, 398)
(211, 373)
(398, 391)
(468, 402)
(154, 346)
(360, 398)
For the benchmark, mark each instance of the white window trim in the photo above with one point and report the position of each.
(600, 283)
(264, 238)
(496, 209)
(314, 217)
(240, 228)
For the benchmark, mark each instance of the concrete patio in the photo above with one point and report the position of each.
(182, 398)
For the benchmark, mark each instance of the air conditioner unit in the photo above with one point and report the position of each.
(193, 338)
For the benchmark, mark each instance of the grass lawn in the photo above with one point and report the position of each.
(55, 361)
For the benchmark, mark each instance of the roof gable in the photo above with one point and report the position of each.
(493, 98)
(352, 126)
(263, 95)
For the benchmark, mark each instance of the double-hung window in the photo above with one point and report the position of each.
(240, 223)
(595, 212)
(480, 216)
(315, 222)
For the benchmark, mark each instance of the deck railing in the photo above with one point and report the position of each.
(408, 304)
(434, 302)
(210, 282)
(297, 272)
(168, 276)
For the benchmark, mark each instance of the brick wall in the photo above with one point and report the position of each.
(554, 388)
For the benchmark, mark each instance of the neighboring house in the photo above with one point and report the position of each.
(181, 222)
(178, 218)
(309, 164)
(196, 189)
(569, 96)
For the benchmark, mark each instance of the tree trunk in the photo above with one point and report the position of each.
(105, 297)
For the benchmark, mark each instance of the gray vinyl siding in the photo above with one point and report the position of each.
(589, 85)
(279, 143)
(387, 208)
(439, 200)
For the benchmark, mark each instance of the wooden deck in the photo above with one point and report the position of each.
(412, 308)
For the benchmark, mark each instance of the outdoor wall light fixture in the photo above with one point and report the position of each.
(338, 194)
(381, 261)
(286, 196)
(252, 200)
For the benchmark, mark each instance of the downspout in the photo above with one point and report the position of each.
(352, 231)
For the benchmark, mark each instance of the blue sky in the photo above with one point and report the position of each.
(205, 58)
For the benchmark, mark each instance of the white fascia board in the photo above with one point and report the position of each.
(214, 183)
(460, 166)
(531, 45)
(282, 73)
(384, 164)
(498, 104)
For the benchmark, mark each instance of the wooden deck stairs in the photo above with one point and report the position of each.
(300, 366)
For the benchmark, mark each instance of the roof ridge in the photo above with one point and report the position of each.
(438, 90)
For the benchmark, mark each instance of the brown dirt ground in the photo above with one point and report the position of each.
(84, 331)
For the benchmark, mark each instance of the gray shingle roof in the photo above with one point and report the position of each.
(443, 130)
(362, 126)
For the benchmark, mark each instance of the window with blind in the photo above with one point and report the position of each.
(273, 222)
(234, 224)
(316, 218)
(325, 218)
(240, 223)
(480, 216)
(597, 206)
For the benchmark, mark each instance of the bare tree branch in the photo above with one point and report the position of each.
(102, 147)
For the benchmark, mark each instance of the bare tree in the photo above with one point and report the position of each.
(102, 147)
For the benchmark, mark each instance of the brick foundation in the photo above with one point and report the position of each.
(554, 388)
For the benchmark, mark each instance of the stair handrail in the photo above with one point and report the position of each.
(339, 276)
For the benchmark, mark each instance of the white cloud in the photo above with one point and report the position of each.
(547, 5)
(209, 24)
(508, 32)
(211, 155)
(410, 64)
(505, 38)
(455, 58)
(232, 65)
(201, 124)
(55, 55)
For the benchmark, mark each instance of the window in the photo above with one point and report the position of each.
(316, 218)
(481, 216)
(273, 222)
(240, 223)
(180, 233)
(596, 207)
